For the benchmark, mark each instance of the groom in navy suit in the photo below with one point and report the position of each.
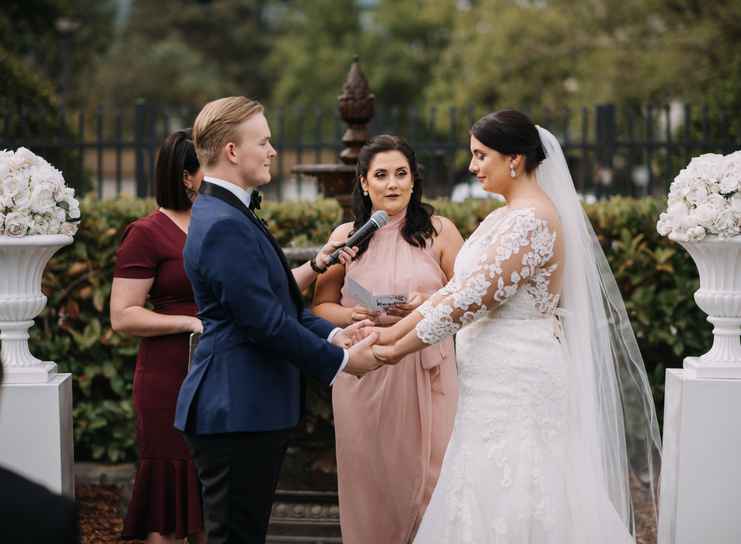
(242, 395)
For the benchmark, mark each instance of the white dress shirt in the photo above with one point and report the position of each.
(244, 195)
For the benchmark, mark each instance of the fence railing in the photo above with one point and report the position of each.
(611, 150)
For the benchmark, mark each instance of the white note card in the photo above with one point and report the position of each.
(373, 302)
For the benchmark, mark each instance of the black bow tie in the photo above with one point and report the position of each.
(255, 200)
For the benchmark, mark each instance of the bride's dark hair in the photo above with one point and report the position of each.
(511, 132)
(418, 227)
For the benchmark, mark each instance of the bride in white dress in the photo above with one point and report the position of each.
(555, 416)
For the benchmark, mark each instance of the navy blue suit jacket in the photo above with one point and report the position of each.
(257, 337)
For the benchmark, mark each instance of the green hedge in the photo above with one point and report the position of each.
(657, 279)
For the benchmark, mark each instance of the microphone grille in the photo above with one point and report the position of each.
(380, 218)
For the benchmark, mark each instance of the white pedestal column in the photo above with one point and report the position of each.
(36, 432)
(700, 479)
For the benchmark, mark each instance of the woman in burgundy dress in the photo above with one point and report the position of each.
(165, 505)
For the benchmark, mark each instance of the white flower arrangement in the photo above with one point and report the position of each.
(705, 198)
(33, 197)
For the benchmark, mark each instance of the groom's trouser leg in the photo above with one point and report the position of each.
(239, 473)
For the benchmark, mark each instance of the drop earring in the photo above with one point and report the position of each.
(512, 171)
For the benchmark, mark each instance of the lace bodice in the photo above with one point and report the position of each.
(508, 259)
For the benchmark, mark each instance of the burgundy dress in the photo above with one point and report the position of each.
(166, 497)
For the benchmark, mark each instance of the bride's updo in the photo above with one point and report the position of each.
(511, 132)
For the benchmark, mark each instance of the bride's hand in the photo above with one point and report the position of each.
(385, 335)
(386, 354)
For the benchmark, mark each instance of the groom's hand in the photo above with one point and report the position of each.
(361, 359)
(351, 335)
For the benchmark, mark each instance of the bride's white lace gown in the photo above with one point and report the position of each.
(506, 477)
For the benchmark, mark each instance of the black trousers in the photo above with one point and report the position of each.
(239, 473)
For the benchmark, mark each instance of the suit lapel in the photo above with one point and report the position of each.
(230, 198)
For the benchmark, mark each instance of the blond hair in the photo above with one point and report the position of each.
(216, 125)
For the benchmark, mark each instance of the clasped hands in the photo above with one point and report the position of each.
(368, 347)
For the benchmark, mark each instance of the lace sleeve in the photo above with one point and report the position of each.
(519, 245)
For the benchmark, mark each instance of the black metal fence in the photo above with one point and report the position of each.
(631, 151)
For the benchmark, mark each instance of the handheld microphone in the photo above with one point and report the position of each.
(376, 221)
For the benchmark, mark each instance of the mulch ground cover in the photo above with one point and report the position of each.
(100, 514)
(101, 521)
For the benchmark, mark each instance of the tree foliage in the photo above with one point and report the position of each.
(182, 53)
(59, 41)
(524, 53)
(558, 53)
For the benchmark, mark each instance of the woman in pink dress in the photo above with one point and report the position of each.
(392, 426)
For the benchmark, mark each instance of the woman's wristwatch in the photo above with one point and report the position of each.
(315, 267)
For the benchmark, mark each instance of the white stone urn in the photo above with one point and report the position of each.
(718, 262)
(22, 263)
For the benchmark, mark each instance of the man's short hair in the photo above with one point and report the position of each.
(216, 125)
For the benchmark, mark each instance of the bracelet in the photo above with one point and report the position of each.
(315, 267)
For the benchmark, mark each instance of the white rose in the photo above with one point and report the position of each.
(686, 222)
(42, 198)
(4, 171)
(729, 185)
(730, 180)
(12, 184)
(17, 223)
(674, 198)
(707, 167)
(69, 229)
(735, 202)
(74, 211)
(697, 193)
(695, 234)
(64, 194)
(665, 224)
(21, 158)
(57, 216)
(716, 200)
(22, 200)
(726, 223)
(55, 224)
(681, 184)
(678, 209)
(39, 225)
(704, 215)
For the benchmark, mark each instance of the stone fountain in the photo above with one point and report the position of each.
(356, 106)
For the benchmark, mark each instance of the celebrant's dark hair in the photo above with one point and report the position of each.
(418, 227)
(511, 132)
(177, 154)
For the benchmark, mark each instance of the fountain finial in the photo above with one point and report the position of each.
(356, 105)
